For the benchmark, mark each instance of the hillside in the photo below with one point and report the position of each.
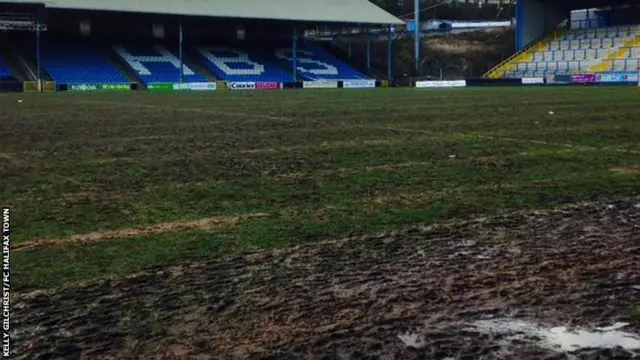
(460, 55)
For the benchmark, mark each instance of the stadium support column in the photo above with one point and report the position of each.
(294, 55)
(180, 53)
(368, 54)
(389, 55)
(519, 24)
(38, 52)
(416, 23)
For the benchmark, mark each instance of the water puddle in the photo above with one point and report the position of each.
(561, 338)
(412, 340)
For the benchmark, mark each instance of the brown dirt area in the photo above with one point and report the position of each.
(357, 298)
(94, 237)
(627, 170)
(174, 109)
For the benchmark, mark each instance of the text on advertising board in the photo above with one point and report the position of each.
(440, 84)
(320, 84)
(195, 86)
(532, 81)
(99, 87)
(358, 84)
(160, 87)
(617, 77)
(583, 79)
(242, 85)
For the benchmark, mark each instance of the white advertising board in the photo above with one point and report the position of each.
(320, 84)
(441, 84)
(533, 81)
(358, 84)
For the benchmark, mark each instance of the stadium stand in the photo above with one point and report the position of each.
(241, 64)
(79, 62)
(155, 64)
(576, 51)
(314, 63)
(5, 73)
(67, 58)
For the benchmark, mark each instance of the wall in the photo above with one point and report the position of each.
(535, 18)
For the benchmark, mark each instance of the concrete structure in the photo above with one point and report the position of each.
(537, 18)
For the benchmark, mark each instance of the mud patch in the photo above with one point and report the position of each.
(304, 174)
(90, 238)
(183, 109)
(417, 293)
(390, 167)
(574, 147)
(325, 145)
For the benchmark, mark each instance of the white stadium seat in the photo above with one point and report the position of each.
(574, 65)
(569, 54)
(619, 65)
(585, 49)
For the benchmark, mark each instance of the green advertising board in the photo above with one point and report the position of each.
(195, 86)
(160, 87)
(99, 87)
(182, 87)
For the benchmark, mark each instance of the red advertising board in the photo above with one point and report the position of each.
(268, 85)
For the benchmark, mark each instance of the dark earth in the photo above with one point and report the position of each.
(576, 266)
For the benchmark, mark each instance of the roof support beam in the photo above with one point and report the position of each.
(180, 52)
(417, 33)
(294, 50)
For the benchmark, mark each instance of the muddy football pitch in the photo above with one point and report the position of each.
(499, 223)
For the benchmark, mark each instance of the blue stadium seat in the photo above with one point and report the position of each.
(155, 64)
(5, 74)
(241, 64)
(314, 63)
(79, 62)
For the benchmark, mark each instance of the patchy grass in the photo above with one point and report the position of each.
(570, 266)
(318, 164)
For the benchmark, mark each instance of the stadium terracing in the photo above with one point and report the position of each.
(142, 42)
(599, 39)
